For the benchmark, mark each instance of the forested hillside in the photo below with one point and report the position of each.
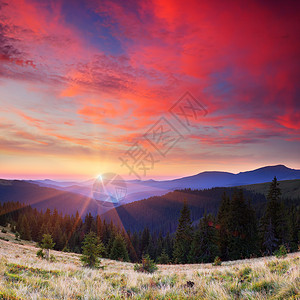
(160, 213)
(233, 227)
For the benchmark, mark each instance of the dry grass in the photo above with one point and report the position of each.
(24, 276)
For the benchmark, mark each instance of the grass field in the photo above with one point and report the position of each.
(24, 276)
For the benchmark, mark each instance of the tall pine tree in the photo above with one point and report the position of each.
(242, 227)
(184, 236)
(223, 225)
(274, 221)
(25, 229)
(204, 247)
(119, 250)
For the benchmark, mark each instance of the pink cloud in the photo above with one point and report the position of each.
(240, 60)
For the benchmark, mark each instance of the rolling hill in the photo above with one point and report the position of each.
(44, 197)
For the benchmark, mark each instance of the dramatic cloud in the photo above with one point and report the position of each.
(93, 76)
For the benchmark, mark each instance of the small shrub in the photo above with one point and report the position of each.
(4, 239)
(264, 286)
(279, 267)
(4, 230)
(17, 235)
(40, 253)
(52, 258)
(217, 261)
(244, 274)
(281, 252)
(147, 265)
(66, 249)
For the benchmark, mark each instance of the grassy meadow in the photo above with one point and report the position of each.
(24, 276)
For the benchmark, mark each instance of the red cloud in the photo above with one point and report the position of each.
(239, 59)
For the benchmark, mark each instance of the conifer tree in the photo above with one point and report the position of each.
(275, 214)
(270, 241)
(43, 230)
(58, 236)
(145, 240)
(25, 229)
(168, 244)
(294, 227)
(164, 257)
(99, 227)
(35, 229)
(88, 224)
(47, 244)
(119, 250)
(205, 242)
(136, 245)
(184, 236)
(222, 225)
(242, 228)
(159, 245)
(131, 250)
(92, 249)
(152, 246)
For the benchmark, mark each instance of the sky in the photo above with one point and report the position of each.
(147, 89)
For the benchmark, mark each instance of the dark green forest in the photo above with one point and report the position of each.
(232, 224)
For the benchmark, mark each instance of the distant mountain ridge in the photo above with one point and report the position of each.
(207, 179)
(70, 196)
(210, 179)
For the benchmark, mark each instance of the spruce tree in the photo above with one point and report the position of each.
(25, 229)
(275, 214)
(183, 237)
(58, 236)
(163, 258)
(47, 244)
(145, 240)
(135, 241)
(242, 228)
(222, 226)
(168, 244)
(294, 227)
(119, 250)
(205, 243)
(270, 241)
(99, 227)
(91, 250)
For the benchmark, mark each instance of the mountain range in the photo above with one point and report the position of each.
(139, 189)
(68, 197)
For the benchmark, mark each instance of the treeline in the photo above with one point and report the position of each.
(68, 232)
(236, 231)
